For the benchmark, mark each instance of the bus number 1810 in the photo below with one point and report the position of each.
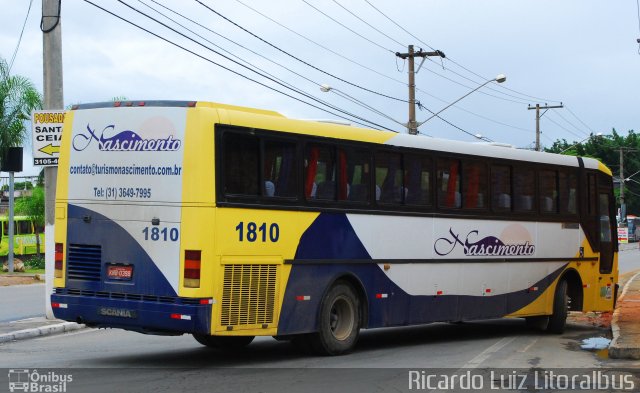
(252, 232)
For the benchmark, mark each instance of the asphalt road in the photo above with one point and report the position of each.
(21, 301)
(629, 258)
(111, 360)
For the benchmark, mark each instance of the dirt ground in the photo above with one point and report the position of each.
(6, 280)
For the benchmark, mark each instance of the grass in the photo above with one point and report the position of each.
(32, 264)
(28, 270)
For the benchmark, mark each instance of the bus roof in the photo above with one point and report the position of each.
(268, 119)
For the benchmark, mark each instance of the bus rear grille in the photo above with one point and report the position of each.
(84, 262)
(248, 294)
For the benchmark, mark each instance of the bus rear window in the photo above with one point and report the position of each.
(241, 169)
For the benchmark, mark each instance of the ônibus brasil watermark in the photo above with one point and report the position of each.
(24, 380)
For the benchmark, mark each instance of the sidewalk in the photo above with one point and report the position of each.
(625, 324)
(34, 327)
(31, 327)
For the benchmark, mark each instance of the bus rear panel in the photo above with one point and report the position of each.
(121, 253)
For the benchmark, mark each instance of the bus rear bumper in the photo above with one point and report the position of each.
(136, 315)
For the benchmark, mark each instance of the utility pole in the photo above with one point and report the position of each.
(538, 116)
(412, 126)
(53, 99)
(623, 207)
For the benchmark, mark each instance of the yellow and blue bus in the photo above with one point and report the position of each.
(24, 236)
(229, 223)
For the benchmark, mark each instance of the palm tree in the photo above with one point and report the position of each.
(18, 98)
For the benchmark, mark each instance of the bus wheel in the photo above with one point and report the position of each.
(339, 321)
(223, 342)
(558, 319)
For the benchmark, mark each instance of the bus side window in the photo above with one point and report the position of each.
(501, 188)
(449, 183)
(523, 189)
(418, 171)
(5, 228)
(474, 185)
(279, 169)
(241, 159)
(389, 178)
(568, 192)
(24, 227)
(320, 172)
(355, 174)
(548, 183)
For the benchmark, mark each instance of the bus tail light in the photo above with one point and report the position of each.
(57, 272)
(192, 268)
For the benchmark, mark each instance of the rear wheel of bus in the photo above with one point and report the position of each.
(223, 342)
(555, 322)
(339, 321)
(558, 319)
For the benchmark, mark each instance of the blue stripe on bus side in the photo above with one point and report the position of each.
(117, 246)
(331, 236)
(399, 308)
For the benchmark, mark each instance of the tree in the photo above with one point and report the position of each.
(18, 98)
(606, 149)
(33, 207)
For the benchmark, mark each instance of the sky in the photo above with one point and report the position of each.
(582, 53)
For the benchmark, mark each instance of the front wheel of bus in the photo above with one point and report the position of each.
(558, 319)
(223, 342)
(339, 322)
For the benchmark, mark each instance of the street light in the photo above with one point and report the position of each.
(500, 78)
(327, 88)
(576, 144)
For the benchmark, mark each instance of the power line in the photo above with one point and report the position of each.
(297, 58)
(320, 45)
(433, 72)
(261, 73)
(520, 102)
(375, 71)
(225, 38)
(348, 97)
(369, 24)
(15, 52)
(450, 59)
(227, 68)
(366, 106)
(249, 63)
(571, 124)
(561, 126)
(451, 124)
(638, 8)
(348, 28)
(580, 120)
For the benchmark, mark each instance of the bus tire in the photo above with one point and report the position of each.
(338, 322)
(558, 319)
(223, 342)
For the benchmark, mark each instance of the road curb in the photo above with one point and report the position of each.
(616, 350)
(40, 331)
